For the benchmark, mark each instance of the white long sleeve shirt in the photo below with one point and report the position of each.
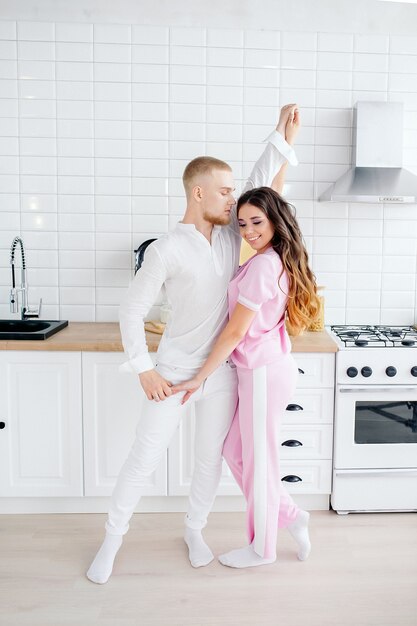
(196, 275)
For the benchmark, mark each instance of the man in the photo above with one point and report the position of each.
(195, 263)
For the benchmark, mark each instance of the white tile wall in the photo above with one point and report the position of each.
(97, 122)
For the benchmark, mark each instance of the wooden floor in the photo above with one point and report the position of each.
(362, 572)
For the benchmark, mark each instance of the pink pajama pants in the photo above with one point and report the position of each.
(252, 450)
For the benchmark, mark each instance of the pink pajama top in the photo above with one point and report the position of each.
(256, 287)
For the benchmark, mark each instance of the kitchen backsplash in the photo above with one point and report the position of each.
(98, 121)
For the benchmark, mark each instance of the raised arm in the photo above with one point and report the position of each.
(276, 154)
(291, 129)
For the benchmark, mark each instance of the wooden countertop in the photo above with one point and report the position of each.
(318, 341)
(105, 337)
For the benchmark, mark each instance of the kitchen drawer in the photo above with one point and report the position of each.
(315, 476)
(316, 442)
(310, 406)
(318, 370)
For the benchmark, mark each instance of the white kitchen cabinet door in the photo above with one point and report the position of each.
(307, 476)
(181, 462)
(40, 415)
(316, 370)
(310, 406)
(112, 403)
(306, 441)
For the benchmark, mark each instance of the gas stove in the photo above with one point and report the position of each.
(376, 336)
(376, 354)
(375, 436)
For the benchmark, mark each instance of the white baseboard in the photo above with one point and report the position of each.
(148, 504)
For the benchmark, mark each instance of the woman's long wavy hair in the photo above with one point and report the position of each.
(303, 303)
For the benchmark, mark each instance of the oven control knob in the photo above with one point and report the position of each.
(366, 371)
(352, 372)
(414, 370)
(391, 371)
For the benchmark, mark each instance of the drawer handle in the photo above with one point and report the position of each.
(291, 479)
(294, 407)
(292, 443)
(2, 424)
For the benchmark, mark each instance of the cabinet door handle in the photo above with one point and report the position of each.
(291, 479)
(301, 371)
(292, 443)
(294, 407)
(2, 425)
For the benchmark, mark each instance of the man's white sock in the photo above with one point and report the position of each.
(198, 551)
(244, 557)
(102, 566)
(299, 530)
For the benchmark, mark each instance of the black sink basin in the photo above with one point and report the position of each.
(30, 329)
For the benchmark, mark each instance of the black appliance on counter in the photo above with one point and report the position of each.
(140, 253)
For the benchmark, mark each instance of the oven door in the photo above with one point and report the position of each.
(375, 427)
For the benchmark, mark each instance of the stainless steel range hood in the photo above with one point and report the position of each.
(377, 175)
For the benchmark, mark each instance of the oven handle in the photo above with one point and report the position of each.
(381, 472)
(371, 389)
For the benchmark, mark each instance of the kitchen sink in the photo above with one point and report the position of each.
(30, 329)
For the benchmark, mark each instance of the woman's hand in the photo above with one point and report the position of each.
(190, 386)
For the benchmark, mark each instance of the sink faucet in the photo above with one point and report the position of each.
(26, 311)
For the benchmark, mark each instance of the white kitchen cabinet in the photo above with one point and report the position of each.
(309, 464)
(181, 462)
(41, 440)
(307, 427)
(70, 417)
(112, 403)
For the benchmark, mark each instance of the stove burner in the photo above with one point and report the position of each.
(376, 336)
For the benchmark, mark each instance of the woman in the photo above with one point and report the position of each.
(274, 286)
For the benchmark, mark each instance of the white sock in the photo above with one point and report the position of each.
(198, 551)
(102, 566)
(299, 530)
(244, 557)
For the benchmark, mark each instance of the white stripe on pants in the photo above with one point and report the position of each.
(215, 404)
(259, 412)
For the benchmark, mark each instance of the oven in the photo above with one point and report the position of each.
(375, 425)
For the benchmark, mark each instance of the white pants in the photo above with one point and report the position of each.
(214, 404)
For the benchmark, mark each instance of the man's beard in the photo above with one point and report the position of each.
(217, 220)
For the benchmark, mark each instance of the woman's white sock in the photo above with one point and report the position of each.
(299, 530)
(102, 566)
(244, 557)
(198, 551)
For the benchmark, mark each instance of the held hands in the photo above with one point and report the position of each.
(289, 122)
(190, 386)
(155, 387)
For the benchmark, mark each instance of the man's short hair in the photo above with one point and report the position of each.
(200, 166)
